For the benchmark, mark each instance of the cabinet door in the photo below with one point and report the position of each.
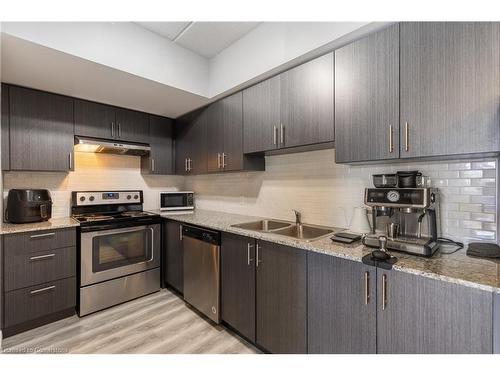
(41, 130)
(197, 144)
(367, 98)
(281, 298)
(215, 136)
(421, 315)
(181, 145)
(232, 110)
(261, 116)
(94, 119)
(238, 283)
(342, 306)
(160, 159)
(307, 108)
(449, 88)
(173, 255)
(5, 129)
(132, 126)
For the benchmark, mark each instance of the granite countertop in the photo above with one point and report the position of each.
(59, 223)
(456, 268)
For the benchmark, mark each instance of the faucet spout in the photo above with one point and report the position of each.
(298, 217)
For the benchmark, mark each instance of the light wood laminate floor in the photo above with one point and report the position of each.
(158, 323)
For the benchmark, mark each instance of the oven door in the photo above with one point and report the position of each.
(174, 201)
(112, 253)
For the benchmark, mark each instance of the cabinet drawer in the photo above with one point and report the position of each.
(30, 303)
(27, 269)
(31, 242)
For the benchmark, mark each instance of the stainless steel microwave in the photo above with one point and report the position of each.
(176, 200)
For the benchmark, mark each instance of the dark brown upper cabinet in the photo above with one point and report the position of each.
(94, 119)
(161, 157)
(132, 126)
(293, 109)
(367, 98)
(104, 121)
(450, 92)
(225, 137)
(307, 107)
(261, 116)
(41, 130)
(191, 143)
(5, 128)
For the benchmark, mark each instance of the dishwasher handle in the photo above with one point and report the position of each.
(201, 234)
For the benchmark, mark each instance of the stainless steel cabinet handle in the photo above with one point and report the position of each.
(189, 164)
(180, 232)
(41, 257)
(152, 164)
(112, 129)
(282, 134)
(119, 130)
(186, 164)
(249, 260)
(257, 247)
(218, 160)
(70, 157)
(42, 289)
(224, 165)
(275, 136)
(43, 235)
(407, 137)
(384, 291)
(367, 288)
(391, 140)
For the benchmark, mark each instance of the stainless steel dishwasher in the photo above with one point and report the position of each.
(202, 270)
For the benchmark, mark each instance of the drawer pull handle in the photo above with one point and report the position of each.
(41, 257)
(42, 290)
(42, 235)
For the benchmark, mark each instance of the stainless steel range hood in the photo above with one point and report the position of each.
(84, 144)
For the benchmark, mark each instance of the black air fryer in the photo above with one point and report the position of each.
(28, 206)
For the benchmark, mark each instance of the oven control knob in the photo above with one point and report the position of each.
(129, 196)
(91, 198)
(136, 196)
(82, 199)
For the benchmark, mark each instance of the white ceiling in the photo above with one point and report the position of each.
(204, 38)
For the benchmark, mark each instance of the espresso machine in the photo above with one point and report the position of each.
(404, 219)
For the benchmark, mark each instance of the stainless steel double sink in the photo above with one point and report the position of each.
(305, 232)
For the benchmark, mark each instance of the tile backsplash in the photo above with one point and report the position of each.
(94, 172)
(326, 192)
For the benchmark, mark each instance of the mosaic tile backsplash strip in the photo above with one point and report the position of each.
(326, 192)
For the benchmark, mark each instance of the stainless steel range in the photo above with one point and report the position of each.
(119, 248)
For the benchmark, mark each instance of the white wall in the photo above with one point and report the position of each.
(121, 45)
(275, 46)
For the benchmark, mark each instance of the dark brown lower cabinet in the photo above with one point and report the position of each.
(342, 306)
(281, 298)
(173, 258)
(238, 283)
(418, 315)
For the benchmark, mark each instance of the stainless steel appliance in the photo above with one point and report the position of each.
(28, 206)
(86, 144)
(176, 201)
(202, 270)
(407, 218)
(119, 247)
